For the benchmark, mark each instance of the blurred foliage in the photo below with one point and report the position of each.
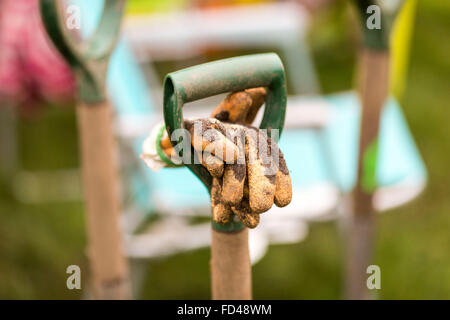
(38, 242)
(145, 6)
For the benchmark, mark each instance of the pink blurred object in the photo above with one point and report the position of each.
(31, 69)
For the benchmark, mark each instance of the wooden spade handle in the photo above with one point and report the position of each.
(373, 80)
(373, 90)
(109, 269)
(231, 277)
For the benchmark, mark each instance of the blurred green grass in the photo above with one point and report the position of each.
(38, 242)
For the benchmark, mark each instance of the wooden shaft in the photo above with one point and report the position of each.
(360, 250)
(8, 139)
(109, 269)
(230, 266)
(373, 80)
(373, 91)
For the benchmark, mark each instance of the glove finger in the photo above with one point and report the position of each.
(233, 183)
(213, 164)
(261, 184)
(241, 107)
(209, 136)
(258, 96)
(283, 184)
(243, 211)
(283, 192)
(221, 213)
(233, 108)
(234, 174)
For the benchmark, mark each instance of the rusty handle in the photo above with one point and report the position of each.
(101, 191)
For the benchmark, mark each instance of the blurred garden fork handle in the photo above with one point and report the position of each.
(373, 87)
(89, 61)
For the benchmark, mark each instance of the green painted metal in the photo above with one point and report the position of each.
(228, 75)
(233, 226)
(378, 39)
(160, 152)
(89, 59)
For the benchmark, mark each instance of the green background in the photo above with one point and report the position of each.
(38, 242)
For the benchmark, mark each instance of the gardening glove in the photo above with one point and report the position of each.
(237, 107)
(211, 146)
(255, 182)
(208, 138)
(242, 107)
(245, 184)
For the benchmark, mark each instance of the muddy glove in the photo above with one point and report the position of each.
(255, 182)
(242, 107)
(252, 175)
(209, 143)
(208, 138)
(237, 107)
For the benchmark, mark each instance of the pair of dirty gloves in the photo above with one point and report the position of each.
(249, 173)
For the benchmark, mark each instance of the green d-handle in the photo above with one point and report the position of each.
(228, 75)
